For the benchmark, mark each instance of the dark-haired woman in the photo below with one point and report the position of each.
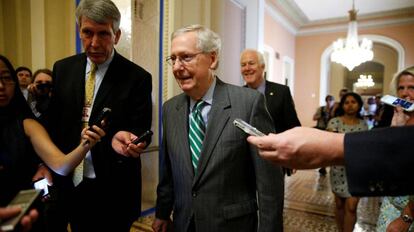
(22, 137)
(348, 121)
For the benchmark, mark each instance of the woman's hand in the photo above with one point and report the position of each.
(399, 118)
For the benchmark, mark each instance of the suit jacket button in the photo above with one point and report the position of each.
(194, 194)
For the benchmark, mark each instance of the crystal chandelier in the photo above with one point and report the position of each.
(350, 53)
(365, 81)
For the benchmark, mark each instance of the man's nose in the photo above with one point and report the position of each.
(95, 40)
(177, 65)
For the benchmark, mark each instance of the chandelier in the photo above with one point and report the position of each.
(350, 53)
(365, 81)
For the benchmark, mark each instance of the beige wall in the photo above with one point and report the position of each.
(404, 34)
(60, 33)
(36, 33)
(145, 53)
(282, 42)
(16, 34)
(1, 28)
(308, 61)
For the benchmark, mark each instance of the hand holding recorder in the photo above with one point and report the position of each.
(130, 145)
(19, 213)
(98, 126)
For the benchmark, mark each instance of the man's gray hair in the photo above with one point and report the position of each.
(207, 40)
(260, 56)
(100, 11)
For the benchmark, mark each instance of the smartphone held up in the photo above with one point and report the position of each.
(143, 137)
(247, 128)
(395, 101)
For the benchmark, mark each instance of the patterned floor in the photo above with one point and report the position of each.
(309, 207)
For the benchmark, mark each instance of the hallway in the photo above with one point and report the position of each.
(309, 206)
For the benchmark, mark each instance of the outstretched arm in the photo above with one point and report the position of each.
(51, 155)
(301, 148)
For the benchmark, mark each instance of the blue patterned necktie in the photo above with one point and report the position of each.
(196, 133)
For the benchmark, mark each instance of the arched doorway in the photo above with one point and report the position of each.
(325, 80)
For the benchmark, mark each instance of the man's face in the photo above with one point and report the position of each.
(98, 39)
(24, 78)
(250, 68)
(192, 67)
(330, 101)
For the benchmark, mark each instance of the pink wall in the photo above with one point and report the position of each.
(282, 41)
(308, 56)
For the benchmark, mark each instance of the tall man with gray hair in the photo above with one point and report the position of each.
(84, 84)
(211, 179)
(279, 101)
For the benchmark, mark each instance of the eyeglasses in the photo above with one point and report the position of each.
(7, 80)
(184, 59)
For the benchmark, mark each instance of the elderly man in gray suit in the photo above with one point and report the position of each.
(211, 179)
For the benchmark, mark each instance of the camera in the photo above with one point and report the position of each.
(44, 86)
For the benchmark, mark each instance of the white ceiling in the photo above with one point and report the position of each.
(328, 9)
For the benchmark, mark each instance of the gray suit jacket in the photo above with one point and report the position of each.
(222, 195)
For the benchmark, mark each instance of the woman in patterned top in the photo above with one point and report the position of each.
(349, 121)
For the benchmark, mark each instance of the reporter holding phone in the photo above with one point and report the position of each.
(22, 137)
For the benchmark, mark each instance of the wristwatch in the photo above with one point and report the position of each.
(407, 218)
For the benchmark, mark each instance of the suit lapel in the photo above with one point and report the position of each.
(271, 97)
(218, 118)
(182, 122)
(79, 84)
(107, 84)
(270, 93)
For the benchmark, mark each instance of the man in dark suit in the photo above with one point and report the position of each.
(279, 101)
(227, 187)
(378, 162)
(112, 171)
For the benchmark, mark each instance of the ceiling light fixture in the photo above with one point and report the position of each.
(365, 81)
(350, 53)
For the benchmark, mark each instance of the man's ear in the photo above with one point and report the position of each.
(117, 36)
(214, 60)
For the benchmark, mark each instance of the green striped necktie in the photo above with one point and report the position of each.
(196, 133)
